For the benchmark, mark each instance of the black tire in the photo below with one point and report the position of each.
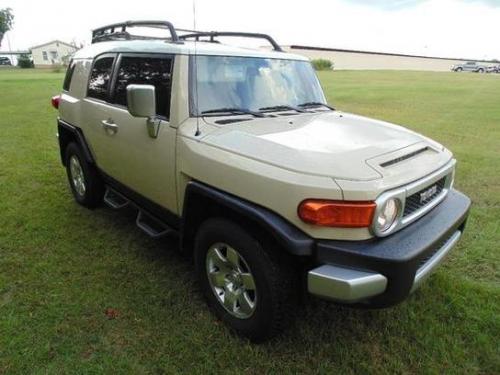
(481, 70)
(275, 296)
(458, 70)
(93, 193)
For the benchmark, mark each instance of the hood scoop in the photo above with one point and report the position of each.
(404, 157)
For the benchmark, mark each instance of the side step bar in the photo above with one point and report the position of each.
(152, 226)
(147, 223)
(114, 199)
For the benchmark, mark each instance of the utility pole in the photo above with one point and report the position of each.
(10, 48)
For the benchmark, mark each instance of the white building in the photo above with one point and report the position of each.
(52, 53)
(366, 60)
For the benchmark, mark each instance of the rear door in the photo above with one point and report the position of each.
(144, 164)
(95, 109)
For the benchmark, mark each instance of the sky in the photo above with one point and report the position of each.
(445, 28)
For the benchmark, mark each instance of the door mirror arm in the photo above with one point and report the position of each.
(153, 124)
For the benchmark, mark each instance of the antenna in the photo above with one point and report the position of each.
(195, 73)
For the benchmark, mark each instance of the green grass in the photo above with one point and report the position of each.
(62, 266)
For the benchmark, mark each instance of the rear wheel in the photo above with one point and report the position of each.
(480, 70)
(246, 289)
(458, 69)
(86, 184)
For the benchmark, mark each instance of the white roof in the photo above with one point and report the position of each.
(184, 48)
(54, 42)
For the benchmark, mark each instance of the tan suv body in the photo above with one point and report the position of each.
(268, 187)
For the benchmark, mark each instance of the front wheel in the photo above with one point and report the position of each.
(245, 288)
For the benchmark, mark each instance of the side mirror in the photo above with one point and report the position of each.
(141, 101)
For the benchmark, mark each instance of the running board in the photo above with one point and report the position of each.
(151, 225)
(114, 199)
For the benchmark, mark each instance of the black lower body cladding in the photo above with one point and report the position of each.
(399, 256)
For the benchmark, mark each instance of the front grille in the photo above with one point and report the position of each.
(414, 202)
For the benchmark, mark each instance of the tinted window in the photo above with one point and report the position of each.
(156, 71)
(69, 75)
(100, 77)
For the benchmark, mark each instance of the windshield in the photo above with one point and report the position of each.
(251, 83)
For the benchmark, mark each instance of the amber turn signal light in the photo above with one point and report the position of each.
(343, 214)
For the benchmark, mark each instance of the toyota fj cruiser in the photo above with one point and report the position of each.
(271, 191)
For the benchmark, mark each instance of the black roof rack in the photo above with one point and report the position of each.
(118, 31)
(213, 34)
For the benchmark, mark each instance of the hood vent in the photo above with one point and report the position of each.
(403, 158)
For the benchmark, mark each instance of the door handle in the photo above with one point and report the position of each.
(109, 126)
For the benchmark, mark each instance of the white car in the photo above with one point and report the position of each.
(271, 191)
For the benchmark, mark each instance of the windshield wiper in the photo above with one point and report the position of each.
(282, 108)
(315, 104)
(232, 111)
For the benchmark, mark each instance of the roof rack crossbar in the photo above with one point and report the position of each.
(109, 32)
(214, 34)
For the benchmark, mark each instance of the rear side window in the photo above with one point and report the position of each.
(155, 71)
(69, 75)
(100, 77)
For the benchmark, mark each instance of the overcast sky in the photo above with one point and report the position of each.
(446, 28)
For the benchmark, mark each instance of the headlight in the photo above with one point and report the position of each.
(387, 214)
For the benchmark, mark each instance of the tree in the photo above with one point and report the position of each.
(24, 61)
(6, 21)
(322, 64)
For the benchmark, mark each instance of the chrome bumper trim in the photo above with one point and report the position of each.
(344, 284)
(425, 271)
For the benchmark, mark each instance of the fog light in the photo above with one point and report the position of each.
(387, 215)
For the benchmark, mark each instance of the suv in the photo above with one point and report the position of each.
(469, 66)
(274, 194)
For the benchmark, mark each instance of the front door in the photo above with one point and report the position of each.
(125, 149)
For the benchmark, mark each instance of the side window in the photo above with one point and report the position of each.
(156, 71)
(69, 75)
(100, 77)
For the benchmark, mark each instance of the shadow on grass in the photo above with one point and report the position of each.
(313, 317)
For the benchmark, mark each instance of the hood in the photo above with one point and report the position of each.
(333, 144)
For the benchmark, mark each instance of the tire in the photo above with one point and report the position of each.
(273, 295)
(458, 70)
(86, 184)
(480, 70)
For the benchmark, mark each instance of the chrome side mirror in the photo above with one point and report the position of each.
(141, 102)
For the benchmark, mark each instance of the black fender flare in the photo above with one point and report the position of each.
(67, 133)
(198, 195)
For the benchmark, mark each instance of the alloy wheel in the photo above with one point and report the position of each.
(231, 280)
(77, 176)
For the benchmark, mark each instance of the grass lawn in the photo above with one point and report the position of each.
(62, 266)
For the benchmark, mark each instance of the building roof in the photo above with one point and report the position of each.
(311, 48)
(54, 41)
(184, 48)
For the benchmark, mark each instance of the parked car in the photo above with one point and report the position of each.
(493, 69)
(5, 61)
(271, 191)
(470, 66)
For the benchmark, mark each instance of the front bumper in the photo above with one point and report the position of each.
(384, 271)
